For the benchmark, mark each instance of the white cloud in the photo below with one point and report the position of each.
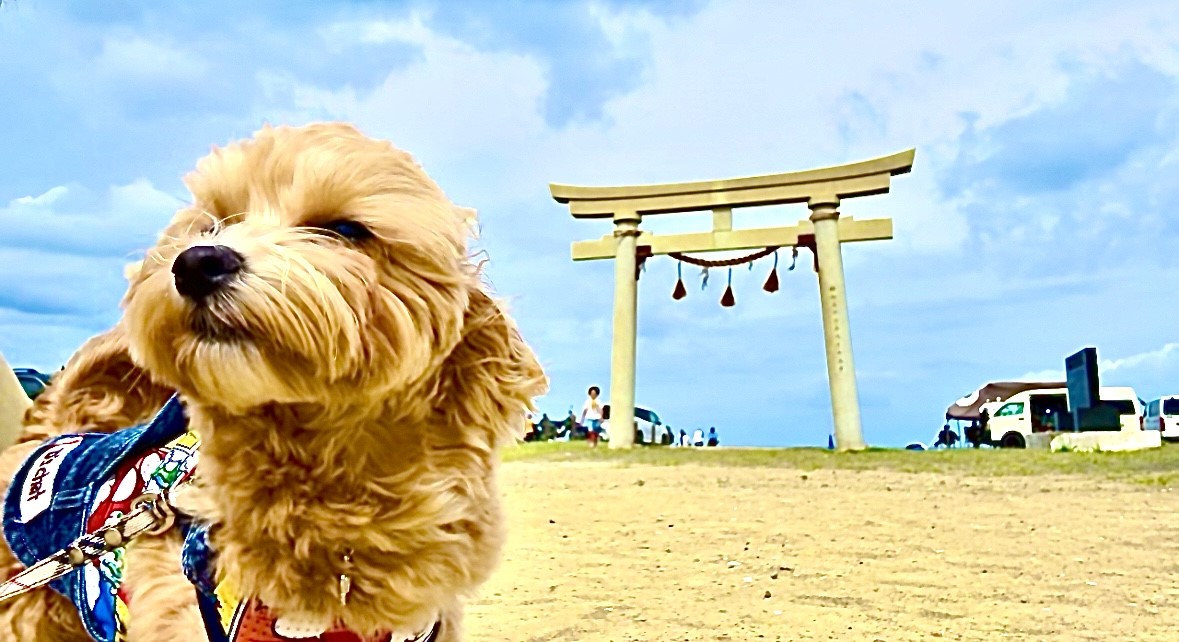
(1152, 358)
(71, 219)
(453, 105)
(411, 30)
(139, 199)
(1042, 375)
(51, 196)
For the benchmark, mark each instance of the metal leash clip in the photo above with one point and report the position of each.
(158, 506)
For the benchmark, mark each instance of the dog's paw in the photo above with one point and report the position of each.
(297, 627)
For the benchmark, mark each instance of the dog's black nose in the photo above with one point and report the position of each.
(203, 269)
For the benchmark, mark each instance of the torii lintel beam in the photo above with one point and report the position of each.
(864, 178)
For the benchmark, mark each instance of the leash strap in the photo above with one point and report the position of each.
(209, 614)
(152, 514)
(431, 635)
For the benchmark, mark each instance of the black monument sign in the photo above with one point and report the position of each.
(1084, 394)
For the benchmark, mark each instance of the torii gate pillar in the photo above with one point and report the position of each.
(841, 369)
(626, 302)
(821, 189)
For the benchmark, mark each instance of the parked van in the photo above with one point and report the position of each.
(1163, 415)
(1010, 421)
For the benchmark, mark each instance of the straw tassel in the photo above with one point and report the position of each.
(680, 291)
(727, 300)
(772, 281)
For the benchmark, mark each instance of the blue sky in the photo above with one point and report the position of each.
(1041, 215)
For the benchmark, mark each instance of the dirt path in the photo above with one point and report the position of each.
(697, 553)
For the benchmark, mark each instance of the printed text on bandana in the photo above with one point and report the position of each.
(37, 493)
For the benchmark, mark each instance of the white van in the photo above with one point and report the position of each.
(1163, 415)
(1010, 421)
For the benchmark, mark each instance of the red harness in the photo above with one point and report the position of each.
(255, 623)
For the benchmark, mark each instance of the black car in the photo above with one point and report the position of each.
(32, 381)
(649, 429)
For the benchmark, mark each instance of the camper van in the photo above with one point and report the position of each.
(1163, 415)
(1010, 421)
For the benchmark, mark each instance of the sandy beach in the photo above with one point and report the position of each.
(600, 551)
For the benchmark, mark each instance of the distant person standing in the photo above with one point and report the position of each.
(547, 429)
(529, 427)
(591, 416)
(684, 438)
(698, 438)
(713, 439)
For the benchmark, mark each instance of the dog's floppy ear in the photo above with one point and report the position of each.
(99, 390)
(492, 377)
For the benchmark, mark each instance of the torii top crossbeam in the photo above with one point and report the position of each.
(827, 185)
(865, 178)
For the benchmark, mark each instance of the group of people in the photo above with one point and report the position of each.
(589, 422)
(587, 426)
(697, 440)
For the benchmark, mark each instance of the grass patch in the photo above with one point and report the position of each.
(1157, 466)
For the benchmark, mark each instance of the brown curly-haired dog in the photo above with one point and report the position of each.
(351, 380)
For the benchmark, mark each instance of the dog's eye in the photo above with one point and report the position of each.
(350, 230)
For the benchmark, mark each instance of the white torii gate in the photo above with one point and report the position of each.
(821, 189)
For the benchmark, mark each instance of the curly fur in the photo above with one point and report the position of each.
(100, 390)
(350, 396)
